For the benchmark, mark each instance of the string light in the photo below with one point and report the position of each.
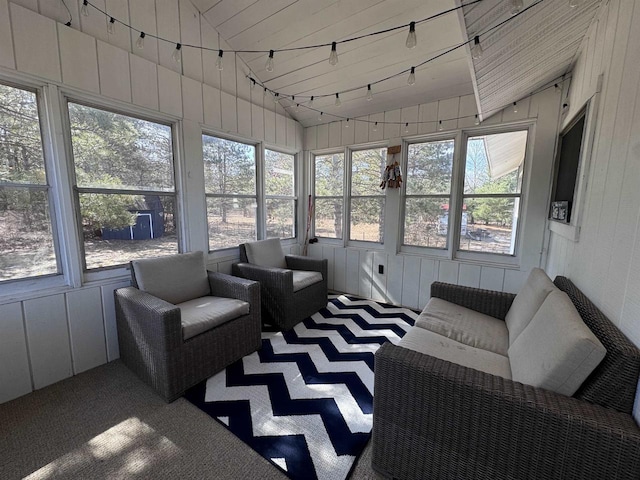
(375, 127)
(338, 102)
(406, 127)
(516, 6)
(515, 107)
(219, 64)
(412, 39)
(84, 10)
(140, 41)
(264, 92)
(311, 102)
(440, 126)
(297, 107)
(477, 121)
(369, 93)
(476, 50)
(333, 56)
(276, 97)
(111, 26)
(252, 84)
(269, 65)
(320, 116)
(177, 54)
(411, 80)
(346, 125)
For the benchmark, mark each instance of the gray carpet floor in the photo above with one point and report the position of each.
(105, 423)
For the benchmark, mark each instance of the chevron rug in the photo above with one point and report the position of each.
(304, 401)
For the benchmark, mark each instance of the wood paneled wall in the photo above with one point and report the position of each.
(605, 261)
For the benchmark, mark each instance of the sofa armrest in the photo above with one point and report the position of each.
(298, 262)
(490, 302)
(223, 285)
(150, 318)
(280, 278)
(436, 419)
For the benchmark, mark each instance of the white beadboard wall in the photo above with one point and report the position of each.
(605, 261)
(407, 277)
(48, 336)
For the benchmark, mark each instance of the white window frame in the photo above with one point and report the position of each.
(20, 286)
(436, 137)
(119, 108)
(259, 172)
(348, 176)
(320, 153)
(296, 190)
(488, 258)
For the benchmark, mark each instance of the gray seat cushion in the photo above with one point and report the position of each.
(527, 302)
(431, 343)
(556, 351)
(465, 326)
(266, 253)
(175, 278)
(205, 313)
(302, 279)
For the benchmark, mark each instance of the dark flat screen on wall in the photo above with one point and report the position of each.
(568, 163)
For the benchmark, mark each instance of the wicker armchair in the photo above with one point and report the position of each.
(438, 420)
(171, 353)
(283, 304)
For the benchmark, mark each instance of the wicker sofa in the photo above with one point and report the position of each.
(436, 419)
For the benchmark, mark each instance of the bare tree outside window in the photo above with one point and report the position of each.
(125, 187)
(230, 188)
(329, 195)
(367, 198)
(280, 199)
(26, 237)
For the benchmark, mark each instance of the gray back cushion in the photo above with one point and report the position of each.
(175, 279)
(527, 302)
(266, 253)
(556, 351)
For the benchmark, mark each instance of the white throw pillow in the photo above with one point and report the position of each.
(556, 351)
(266, 253)
(527, 302)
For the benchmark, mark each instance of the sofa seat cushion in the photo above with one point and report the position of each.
(556, 351)
(465, 326)
(431, 343)
(266, 253)
(527, 302)
(175, 278)
(303, 279)
(205, 313)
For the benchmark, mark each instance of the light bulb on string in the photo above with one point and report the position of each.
(219, 64)
(177, 54)
(269, 65)
(264, 92)
(338, 102)
(440, 126)
(346, 125)
(320, 116)
(333, 56)
(252, 84)
(412, 39)
(477, 121)
(375, 127)
(311, 102)
(369, 93)
(574, 3)
(140, 41)
(406, 127)
(297, 107)
(476, 50)
(411, 80)
(515, 107)
(516, 6)
(111, 26)
(84, 10)
(276, 97)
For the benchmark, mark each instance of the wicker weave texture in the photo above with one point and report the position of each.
(281, 306)
(151, 344)
(613, 383)
(438, 420)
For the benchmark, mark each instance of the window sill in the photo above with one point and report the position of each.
(568, 231)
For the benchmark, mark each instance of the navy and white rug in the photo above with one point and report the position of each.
(304, 401)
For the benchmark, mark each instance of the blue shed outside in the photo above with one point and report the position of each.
(149, 222)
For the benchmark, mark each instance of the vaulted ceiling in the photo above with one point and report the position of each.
(519, 57)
